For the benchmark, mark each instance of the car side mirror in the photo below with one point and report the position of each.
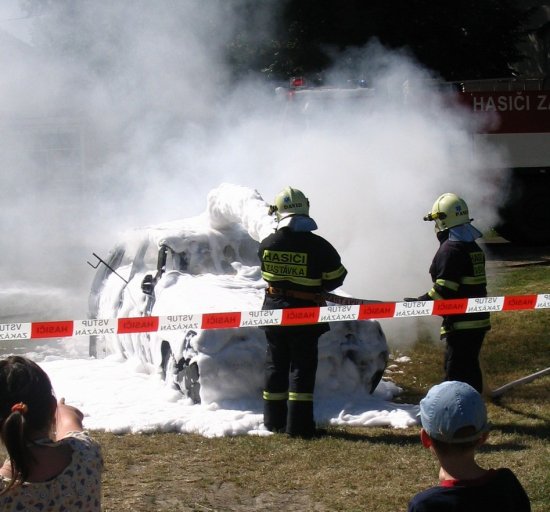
(148, 285)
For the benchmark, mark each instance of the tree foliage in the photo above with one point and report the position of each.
(280, 38)
(459, 40)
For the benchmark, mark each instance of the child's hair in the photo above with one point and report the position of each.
(26, 407)
(456, 446)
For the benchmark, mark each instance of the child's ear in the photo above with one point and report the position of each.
(425, 438)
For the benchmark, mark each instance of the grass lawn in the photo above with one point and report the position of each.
(352, 469)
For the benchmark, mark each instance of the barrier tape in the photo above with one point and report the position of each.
(283, 317)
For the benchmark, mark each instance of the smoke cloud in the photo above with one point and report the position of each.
(124, 114)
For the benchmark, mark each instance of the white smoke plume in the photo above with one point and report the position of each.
(124, 114)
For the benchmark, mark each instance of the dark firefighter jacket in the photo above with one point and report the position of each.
(458, 271)
(300, 260)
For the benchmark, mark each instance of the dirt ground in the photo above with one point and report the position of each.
(171, 472)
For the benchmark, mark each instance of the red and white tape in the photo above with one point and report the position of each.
(285, 317)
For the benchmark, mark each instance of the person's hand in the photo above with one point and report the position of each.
(67, 418)
(65, 410)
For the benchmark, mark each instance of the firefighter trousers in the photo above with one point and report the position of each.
(290, 369)
(462, 357)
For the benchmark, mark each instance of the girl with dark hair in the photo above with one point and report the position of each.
(53, 464)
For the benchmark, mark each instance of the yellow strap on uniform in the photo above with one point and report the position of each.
(304, 281)
(300, 397)
(445, 283)
(275, 396)
(335, 274)
(434, 295)
(468, 324)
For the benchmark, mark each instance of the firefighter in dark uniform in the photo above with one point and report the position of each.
(297, 266)
(458, 271)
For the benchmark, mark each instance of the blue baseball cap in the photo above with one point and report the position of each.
(450, 406)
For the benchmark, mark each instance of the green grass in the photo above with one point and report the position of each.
(517, 345)
(352, 469)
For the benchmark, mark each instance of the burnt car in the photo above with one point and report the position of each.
(206, 264)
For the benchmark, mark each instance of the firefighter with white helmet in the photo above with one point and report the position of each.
(297, 265)
(458, 271)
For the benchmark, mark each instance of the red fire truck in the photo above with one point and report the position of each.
(520, 127)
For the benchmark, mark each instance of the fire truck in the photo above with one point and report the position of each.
(520, 127)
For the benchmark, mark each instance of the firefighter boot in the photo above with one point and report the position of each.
(275, 412)
(300, 421)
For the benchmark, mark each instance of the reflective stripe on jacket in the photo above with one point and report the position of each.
(300, 261)
(458, 271)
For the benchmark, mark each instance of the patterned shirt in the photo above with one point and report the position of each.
(76, 488)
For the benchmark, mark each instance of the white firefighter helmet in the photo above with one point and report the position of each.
(449, 211)
(290, 201)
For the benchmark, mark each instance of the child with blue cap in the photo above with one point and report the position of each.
(454, 425)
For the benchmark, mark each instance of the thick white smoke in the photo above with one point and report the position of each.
(148, 121)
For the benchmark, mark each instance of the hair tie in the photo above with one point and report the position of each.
(21, 408)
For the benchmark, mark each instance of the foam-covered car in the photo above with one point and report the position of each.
(209, 263)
